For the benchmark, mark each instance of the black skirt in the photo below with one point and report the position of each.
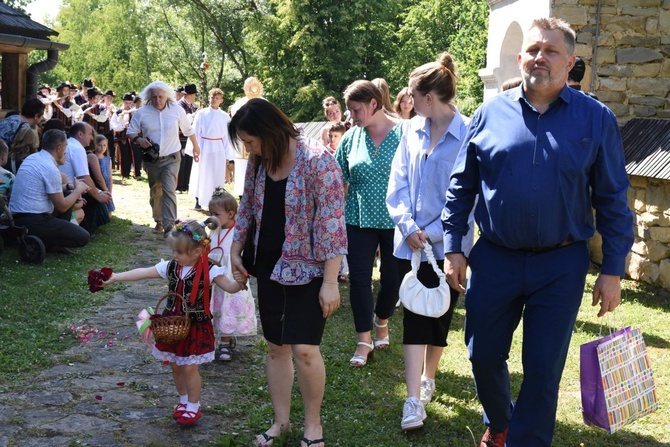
(419, 329)
(289, 314)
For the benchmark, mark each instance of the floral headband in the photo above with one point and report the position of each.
(183, 227)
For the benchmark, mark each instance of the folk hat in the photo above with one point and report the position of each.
(110, 93)
(87, 83)
(190, 89)
(128, 97)
(62, 85)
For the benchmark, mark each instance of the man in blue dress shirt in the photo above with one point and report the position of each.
(540, 157)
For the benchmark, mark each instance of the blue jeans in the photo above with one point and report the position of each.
(547, 289)
(362, 246)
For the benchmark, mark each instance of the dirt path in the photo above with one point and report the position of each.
(114, 393)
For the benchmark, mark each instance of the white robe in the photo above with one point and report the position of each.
(211, 131)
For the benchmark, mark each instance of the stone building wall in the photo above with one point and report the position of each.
(633, 68)
(649, 260)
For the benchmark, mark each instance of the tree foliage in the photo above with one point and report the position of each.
(19, 5)
(302, 50)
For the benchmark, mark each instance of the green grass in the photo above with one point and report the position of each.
(37, 302)
(362, 407)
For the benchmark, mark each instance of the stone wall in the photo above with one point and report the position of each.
(649, 260)
(633, 69)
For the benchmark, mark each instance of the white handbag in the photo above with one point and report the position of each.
(417, 297)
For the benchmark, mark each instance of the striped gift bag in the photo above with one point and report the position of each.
(626, 389)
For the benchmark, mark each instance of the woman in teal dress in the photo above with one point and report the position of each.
(365, 154)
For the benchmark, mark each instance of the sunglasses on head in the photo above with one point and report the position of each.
(331, 103)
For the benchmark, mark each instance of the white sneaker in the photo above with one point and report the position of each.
(427, 390)
(413, 414)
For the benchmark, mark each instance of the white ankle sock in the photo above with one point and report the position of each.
(183, 399)
(194, 407)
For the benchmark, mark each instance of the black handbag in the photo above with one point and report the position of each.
(249, 249)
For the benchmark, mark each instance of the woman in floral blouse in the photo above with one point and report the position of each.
(293, 189)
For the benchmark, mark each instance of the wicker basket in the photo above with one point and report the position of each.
(170, 329)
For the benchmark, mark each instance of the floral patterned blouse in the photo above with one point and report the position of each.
(315, 229)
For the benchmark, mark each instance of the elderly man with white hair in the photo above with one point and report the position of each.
(155, 128)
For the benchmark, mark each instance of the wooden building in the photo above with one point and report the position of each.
(19, 35)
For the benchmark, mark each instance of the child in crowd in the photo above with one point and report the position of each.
(188, 274)
(6, 177)
(105, 166)
(335, 132)
(234, 313)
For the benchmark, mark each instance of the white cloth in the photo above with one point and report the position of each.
(161, 126)
(76, 164)
(211, 131)
(214, 271)
(37, 177)
(238, 105)
(233, 313)
(240, 171)
(119, 121)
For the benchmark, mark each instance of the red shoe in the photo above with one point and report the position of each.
(493, 439)
(189, 417)
(178, 410)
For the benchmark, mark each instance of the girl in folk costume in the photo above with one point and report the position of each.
(188, 274)
(234, 313)
(211, 131)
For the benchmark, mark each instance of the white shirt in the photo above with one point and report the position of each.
(214, 271)
(76, 164)
(37, 177)
(161, 126)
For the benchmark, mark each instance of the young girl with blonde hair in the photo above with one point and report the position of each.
(234, 313)
(189, 274)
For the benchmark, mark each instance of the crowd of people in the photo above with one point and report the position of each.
(387, 182)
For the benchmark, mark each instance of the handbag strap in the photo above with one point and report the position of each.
(416, 261)
(428, 249)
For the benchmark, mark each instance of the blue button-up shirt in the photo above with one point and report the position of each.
(540, 175)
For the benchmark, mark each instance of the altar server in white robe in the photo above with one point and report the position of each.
(211, 131)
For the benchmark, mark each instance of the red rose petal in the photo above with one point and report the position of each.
(98, 397)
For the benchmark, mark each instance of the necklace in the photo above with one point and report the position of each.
(220, 239)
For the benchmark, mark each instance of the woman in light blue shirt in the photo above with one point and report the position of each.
(415, 199)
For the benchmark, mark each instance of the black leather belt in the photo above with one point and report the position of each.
(566, 242)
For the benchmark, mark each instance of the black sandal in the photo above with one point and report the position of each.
(312, 441)
(267, 440)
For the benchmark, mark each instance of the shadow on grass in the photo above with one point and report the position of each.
(646, 295)
(575, 435)
(599, 331)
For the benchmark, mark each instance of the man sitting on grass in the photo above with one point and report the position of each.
(38, 201)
